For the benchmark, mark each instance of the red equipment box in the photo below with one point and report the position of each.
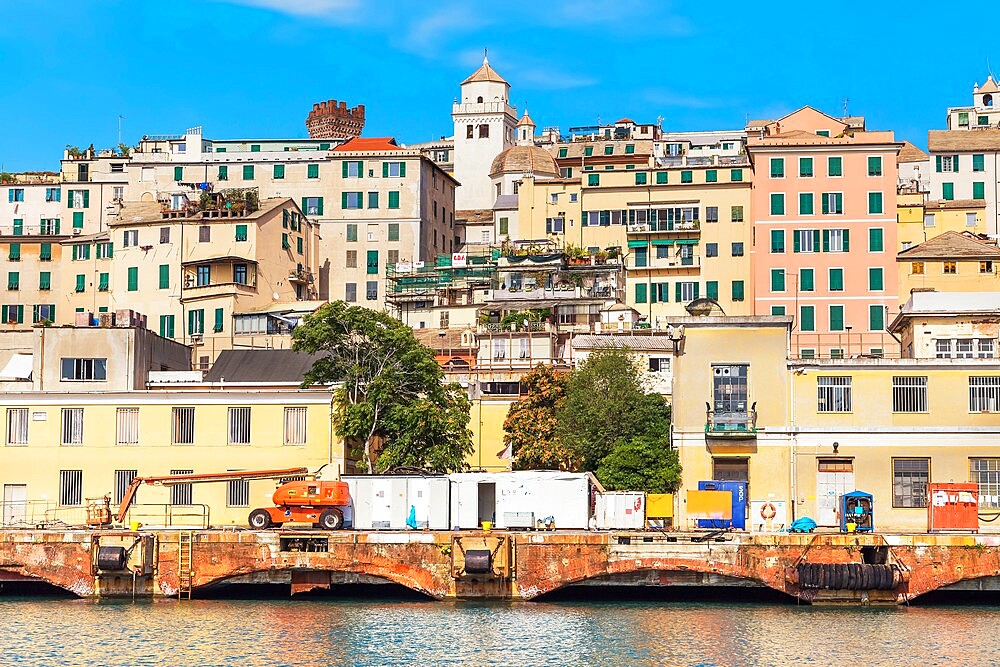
(953, 507)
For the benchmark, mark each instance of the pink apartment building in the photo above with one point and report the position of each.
(824, 217)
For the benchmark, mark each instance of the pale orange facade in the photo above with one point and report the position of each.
(824, 213)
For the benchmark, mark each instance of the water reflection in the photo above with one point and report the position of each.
(381, 632)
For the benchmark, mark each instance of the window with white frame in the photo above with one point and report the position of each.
(239, 426)
(836, 240)
(72, 426)
(688, 290)
(942, 348)
(182, 429)
(17, 426)
(128, 426)
(833, 394)
(984, 393)
(946, 163)
(295, 426)
(130, 237)
(987, 348)
(909, 393)
(83, 370)
(659, 365)
(986, 473)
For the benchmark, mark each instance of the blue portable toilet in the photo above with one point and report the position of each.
(739, 493)
(857, 507)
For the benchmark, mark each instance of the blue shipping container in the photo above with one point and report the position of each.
(739, 492)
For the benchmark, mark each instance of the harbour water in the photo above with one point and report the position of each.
(614, 633)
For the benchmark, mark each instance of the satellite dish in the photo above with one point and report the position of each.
(276, 296)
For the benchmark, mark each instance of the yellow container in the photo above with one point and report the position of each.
(134, 526)
(852, 527)
(487, 525)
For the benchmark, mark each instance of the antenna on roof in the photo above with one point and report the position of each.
(988, 68)
(846, 100)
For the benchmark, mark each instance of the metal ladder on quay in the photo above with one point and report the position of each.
(185, 565)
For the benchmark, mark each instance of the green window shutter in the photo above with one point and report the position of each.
(937, 163)
(777, 204)
(712, 289)
(45, 252)
(711, 176)
(777, 241)
(836, 280)
(81, 282)
(805, 203)
(504, 226)
(978, 163)
(279, 171)
(178, 173)
(45, 280)
(285, 245)
(241, 232)
(164, 276)
(825, 203)
(352, 232)
(77, 219)
(954, 163)
(874, 166)
(71, 204)
(796, 241)
(979, 190)
(86, 198)
(654, 292)
(687, 177)
(298, 244)
(661, 178)
(394, 230)
(343, 200)
(248, 172)
(805, 167)
(677, 292)
(807, 319)
(807, 280)
(640, 292)
(18, 226)
(218, 320)
(640, 178)
(343, 169)
(874, 202)
(847, 240)
(14, 254)
(696, 286)
(738, 291)
(593, 179)
(777, 310)
(777, 280)
(736, 175)
(373, 200)
(948, 191)
(836, 318)
(103, 282)
(13, 280)
(402, 170)
(875, 243)
(254, 148)
(393, 199)
(312, 171)
(835, 166)
(385, 170)
(372, 262)
(319, 206)
(223, 172)
(777, 167)
(133, 279)
(876, 318)
(826, 240)
(875, 280)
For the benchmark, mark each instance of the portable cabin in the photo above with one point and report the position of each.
(523, 499)
(399, 502)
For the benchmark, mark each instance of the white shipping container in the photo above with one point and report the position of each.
(386, 502)
(508, 499)
(621, 510)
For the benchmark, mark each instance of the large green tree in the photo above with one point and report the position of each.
(530, 426)
(391, 402)
(614, 427)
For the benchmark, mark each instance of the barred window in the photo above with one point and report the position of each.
(295, 426)
(181, 494)
(72, 426)
(986, 473)
(984, 393)
(238, 493)
(909, 482)
(239, 427)
(122, 479)
(909, 394)
(128, 427)
(833, 394)
(183, 427)
(70, 487)
(17, 426)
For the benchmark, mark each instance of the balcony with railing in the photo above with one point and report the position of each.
(657, 227)
(737, 424)
(51, 227)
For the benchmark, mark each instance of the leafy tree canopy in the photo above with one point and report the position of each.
(530, 427)
(643, 464)
(391, 404)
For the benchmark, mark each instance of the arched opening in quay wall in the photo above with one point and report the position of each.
(16, 585)
(668, 586)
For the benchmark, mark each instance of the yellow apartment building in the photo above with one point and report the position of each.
(950, 262)
(919, 220)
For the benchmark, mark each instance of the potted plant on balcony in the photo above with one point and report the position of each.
(600, 257)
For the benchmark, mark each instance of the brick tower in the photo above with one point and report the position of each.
(333, 120)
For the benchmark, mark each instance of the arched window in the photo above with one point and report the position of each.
(479, 99)
(987, 100)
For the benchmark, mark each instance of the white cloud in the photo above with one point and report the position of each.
(335, 10)
(427, 35)
(670, 98)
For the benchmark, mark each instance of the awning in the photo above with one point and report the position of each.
(662, 242)
(17, 368)
(687, 241)
(637, 244)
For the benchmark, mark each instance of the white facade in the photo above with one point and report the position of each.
(984, 111)
(484, 127)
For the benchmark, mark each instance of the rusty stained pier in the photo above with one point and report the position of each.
(815, 568)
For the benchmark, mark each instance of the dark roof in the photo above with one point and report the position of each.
(950, 245)
(248, 366)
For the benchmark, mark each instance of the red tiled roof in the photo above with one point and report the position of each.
(368, 144)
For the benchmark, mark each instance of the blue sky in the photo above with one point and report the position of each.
(244, 68)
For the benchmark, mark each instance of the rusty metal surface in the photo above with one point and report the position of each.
(529, 565)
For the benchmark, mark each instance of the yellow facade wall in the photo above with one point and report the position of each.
(486, 423)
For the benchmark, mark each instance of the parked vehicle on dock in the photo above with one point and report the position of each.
(319, 502)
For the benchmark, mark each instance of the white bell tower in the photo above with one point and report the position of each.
(484, 128)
